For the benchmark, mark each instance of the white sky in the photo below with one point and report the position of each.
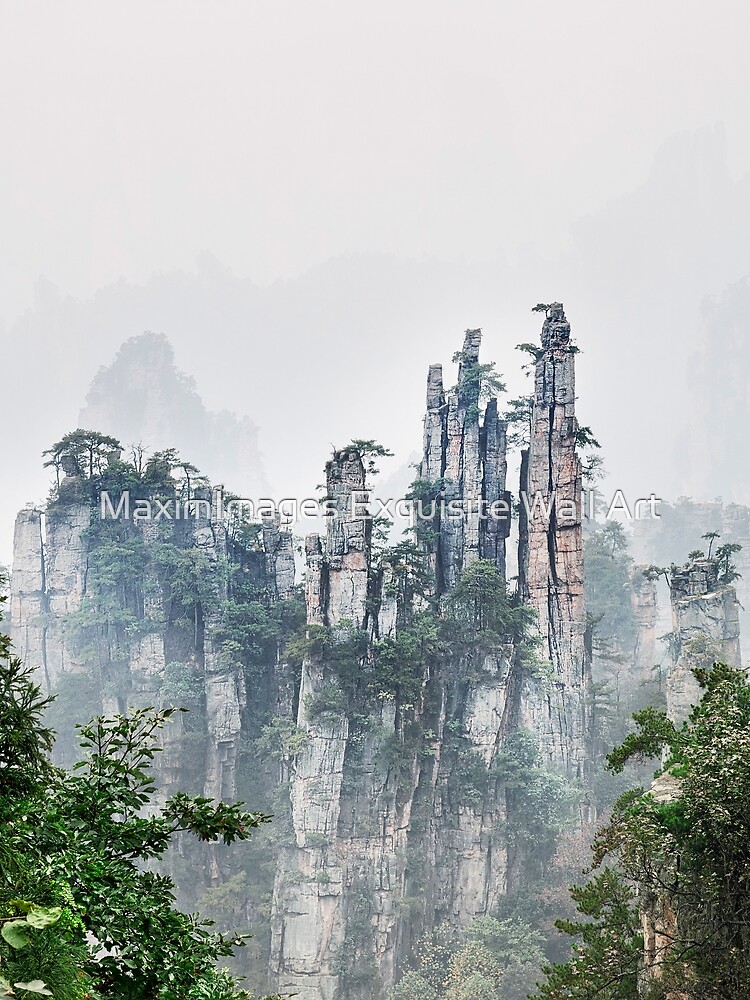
(279, 134)
(499, 153)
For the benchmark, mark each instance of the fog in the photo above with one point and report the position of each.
(312, 201)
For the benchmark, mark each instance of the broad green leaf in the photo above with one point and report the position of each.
(17, 933)
(21, 904)
(42, 916)
(35, 986)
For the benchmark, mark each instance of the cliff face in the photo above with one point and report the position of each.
(645, 604)
(373, 808)
(99, 599)
(464, 461)
(367, 837)
(551, 550)
(658, 915)
(48, 583)
(705, 628)
(681, 527)
(393, 772)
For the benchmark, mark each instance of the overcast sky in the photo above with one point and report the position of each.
(279, 134)
(497, 153)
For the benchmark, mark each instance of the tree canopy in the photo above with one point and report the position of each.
(82, 911)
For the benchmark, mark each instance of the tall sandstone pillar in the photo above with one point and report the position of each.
(551, 553)
(645, 604)
(467, 456)
(310, 909)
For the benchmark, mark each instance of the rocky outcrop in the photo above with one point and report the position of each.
(464, 464)
(378, 821)
(657, 910)
(645, 604)
(681, 527)
(341, 868)
(47, 585)
(705, 629)
(399, 804)
(126, 632)
(551, 551)
(28, 597)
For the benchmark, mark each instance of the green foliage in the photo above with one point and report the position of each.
(653, 573)
(329, 700)
(282, 739)
(474, 973)
(493, 959)
(182, 687)
(24, 740)
(690, 845)
(397, 668)
(655, 731)
(585, 438)
(607, 584)
(477, 383)
(727, 570)
(309, 640)
(481, 615)
(413, 987)
(94, 462)
(609, 946)
(191, 572)
(541, 802)
(248, 631)
(518, 416)
(434, 953)
(533, 350)
(83, 453)
(409, 575)
(711, 537)
(74, 861)
(426, 495)
(368, 450)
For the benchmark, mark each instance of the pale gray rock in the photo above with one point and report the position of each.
(705, 629)
(551, 554)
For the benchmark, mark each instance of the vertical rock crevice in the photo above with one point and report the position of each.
(551, 552)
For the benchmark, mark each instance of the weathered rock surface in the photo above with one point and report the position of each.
(466, 457)
(366, 837)
(681, 528)
(47, 585)
(645, 604)
(551, 552)
(658, 914)
(398, 819)
(705, 628)
(51, 584)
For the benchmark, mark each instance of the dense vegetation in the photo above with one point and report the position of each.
(446, 646)
(83, 911)
(682, 851)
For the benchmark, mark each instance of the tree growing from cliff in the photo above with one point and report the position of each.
(683, 850)
(82, 453)
(368, 450)
(82, 913)
(479, 381)
(518, 416)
